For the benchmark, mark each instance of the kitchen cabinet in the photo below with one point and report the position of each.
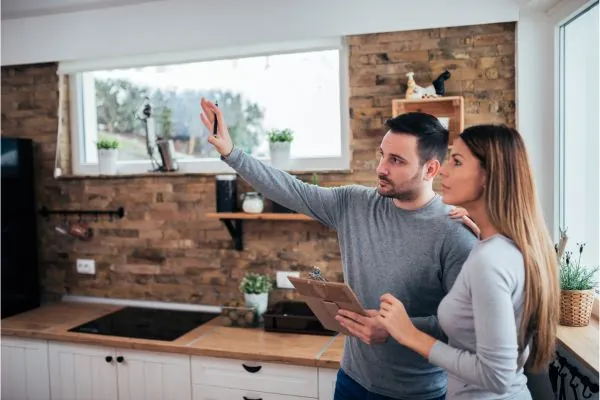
(327, 380)
(84, 372)
(224, 378)
(25, 374)
(217, 393)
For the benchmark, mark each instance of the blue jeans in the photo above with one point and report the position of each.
(347, 388)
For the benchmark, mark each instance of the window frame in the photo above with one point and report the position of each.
(559, 131)
(79, 90)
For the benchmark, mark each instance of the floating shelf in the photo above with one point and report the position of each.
(264, 216)
(233, 222)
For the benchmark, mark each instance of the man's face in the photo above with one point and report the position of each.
(400, 173)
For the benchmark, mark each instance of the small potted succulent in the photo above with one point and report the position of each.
(256, 288)
(108, 154)
(279, 147)
(577, 284)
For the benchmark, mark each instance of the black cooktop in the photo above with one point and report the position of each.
(146, 323)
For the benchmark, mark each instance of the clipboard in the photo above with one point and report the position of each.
(326, 298)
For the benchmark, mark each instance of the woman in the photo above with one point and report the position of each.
(503, 309)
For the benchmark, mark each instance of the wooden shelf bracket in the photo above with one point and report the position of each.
(235, 228)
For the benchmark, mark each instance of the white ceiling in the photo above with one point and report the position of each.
(12, 9)
(33, 8)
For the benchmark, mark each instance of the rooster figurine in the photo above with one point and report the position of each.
(436, 89)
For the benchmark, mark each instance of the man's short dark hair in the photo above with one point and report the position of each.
(432, 137)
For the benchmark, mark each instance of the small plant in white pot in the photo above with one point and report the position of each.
(108, 153)
(279, 147)
(256, 288)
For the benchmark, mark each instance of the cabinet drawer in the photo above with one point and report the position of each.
(218, 393)
(256, 376)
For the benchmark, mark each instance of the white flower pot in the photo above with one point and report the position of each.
(259, 301)
(107, 161)
(280, 154)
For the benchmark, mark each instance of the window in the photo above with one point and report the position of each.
(296, 86)
(578, 161)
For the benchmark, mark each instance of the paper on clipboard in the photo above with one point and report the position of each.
(326, 298)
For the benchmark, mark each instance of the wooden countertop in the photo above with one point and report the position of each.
(52, 322)
(582, 342)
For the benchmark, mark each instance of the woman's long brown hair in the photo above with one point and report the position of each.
(513, 209)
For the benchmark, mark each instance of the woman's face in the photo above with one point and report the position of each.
(463, 179)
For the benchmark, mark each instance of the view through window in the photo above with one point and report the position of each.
(299, 91)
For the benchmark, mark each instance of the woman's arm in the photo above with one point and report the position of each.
(494, 363)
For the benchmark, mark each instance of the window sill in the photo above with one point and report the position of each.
(184, 174)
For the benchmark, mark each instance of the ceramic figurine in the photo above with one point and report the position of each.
(436, 89)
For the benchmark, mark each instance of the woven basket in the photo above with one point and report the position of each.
(576, 307)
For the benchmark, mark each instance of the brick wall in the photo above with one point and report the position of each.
(166, 249)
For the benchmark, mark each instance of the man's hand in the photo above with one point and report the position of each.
(222, 140)
(459, 212)
(368, 329)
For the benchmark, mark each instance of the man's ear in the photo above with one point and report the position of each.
(431, 169)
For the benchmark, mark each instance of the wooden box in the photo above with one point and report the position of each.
(451, 107)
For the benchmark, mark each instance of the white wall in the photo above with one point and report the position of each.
(181, 25)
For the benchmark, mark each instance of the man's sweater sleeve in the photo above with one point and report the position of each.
(323, 204)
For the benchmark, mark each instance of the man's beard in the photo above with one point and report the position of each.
(408, 192)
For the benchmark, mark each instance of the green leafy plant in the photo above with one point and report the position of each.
(107, 144)
(280, 135)
(573, 275)
(254, 283)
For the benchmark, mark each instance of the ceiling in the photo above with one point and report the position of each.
(12, 9)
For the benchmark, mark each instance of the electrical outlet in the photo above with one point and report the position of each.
(86, 266)
(283, 281)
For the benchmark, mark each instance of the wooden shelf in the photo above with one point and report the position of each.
(262, 216)
(234, 222)
(451, 107)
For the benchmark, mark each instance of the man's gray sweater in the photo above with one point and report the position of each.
(413, 254)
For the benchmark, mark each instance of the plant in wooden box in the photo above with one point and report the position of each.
(279, 147)
(108, 153)
(256, 288)
(577, 285)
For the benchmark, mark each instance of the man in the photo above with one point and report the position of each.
(395, 238)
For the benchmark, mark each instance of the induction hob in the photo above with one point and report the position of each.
(146, 323)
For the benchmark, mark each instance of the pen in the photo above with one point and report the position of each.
(216, 124)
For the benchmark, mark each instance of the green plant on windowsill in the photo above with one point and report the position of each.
(280, 135)
(107, 144)
(577, 284)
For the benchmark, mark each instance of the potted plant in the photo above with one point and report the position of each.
(108, 153)
(577, 283)
(256, 288)
(279, 147)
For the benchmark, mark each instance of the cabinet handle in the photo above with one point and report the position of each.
(120, 359)
(248, 398)
(108, 359)
(252, 369)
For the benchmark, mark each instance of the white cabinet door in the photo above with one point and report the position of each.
(81, 372)
(145, 375)
(327, 379)
(25, 374)
(217, 393)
